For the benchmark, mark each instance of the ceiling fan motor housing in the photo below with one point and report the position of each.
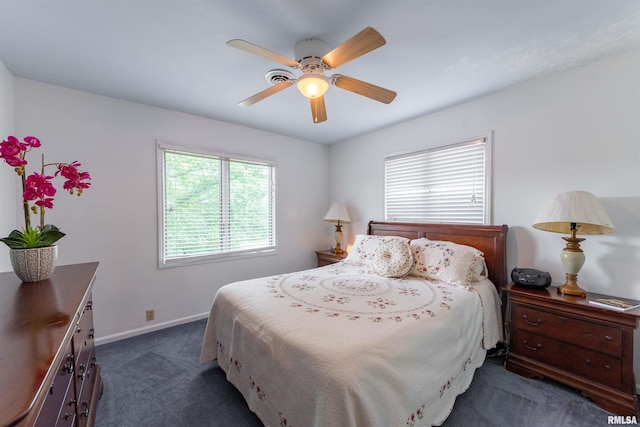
(310, 51)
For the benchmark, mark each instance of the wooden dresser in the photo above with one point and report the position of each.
(48, 372)
(584, 346)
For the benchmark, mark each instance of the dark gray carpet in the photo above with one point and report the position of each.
(156, 380)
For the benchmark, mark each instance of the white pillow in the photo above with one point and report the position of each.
(446, 261)
(479, 269)
(393, 258)
(364, 248)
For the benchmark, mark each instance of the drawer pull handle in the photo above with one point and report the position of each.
(526, 319)
(607, 367)
(608, 338)
(67, 369)
(587, 361)
(563, 319)
(85, 413)
(536, 348)
(81, 372)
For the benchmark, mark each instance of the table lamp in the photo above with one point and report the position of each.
(339, 215)
(574, 212)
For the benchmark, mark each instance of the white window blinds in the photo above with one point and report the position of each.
(444, 184)
(214, 206)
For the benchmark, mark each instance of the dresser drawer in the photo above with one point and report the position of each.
(595, 336)
(58, 394)
(67, 416)
(590, 364)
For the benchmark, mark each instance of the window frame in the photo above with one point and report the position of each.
(487, 215)
(161, 147)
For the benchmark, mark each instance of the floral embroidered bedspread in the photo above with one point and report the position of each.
(342, 346)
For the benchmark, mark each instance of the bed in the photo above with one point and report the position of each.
(343, 345)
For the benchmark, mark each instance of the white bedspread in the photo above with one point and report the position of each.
(342, 346)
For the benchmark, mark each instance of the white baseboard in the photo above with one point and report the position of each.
(134, 332)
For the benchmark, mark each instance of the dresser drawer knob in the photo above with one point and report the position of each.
(587, 361)
(563, 319)
(526, 319)
(607, 367)
(608, 338)
(536, 348)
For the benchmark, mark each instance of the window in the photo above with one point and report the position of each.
(213, 206)
(445, 184)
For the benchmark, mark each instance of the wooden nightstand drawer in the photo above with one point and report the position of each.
(586, 334)
(590, 364)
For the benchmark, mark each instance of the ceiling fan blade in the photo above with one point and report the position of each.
(318, 110)
(363, 42)
(260, 51)
(265, 93)
(363, 88)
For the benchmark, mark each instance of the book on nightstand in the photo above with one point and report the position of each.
(619, 304)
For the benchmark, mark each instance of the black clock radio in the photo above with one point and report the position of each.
(530, 278)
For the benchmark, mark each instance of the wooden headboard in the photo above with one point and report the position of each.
(490, 239)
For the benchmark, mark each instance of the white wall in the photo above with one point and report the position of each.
(576, 131)
(8, 186)
(115, 221)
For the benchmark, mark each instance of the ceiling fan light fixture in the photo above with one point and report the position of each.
(312, 85)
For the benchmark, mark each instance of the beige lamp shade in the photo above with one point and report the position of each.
(338, 213)
(577, 207)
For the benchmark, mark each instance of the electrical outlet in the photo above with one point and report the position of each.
(151, 314)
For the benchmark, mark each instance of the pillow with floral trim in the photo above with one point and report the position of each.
(446, 261)
(364, 248)
(479, 269)
(393, 258)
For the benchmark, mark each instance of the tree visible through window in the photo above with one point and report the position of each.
(214, 206)
(448, 184)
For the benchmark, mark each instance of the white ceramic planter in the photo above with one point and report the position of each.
(33, 265)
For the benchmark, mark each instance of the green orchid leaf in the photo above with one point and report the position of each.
(33, 237)
(49, 235)
(14, 240)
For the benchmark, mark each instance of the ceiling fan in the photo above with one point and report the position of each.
(313, 58)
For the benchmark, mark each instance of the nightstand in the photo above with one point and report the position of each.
(566, 339)
(328, 257)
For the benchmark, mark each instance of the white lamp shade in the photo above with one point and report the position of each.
(338, 213)
(579, 207)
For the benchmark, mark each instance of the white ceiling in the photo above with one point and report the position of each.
(439, 53)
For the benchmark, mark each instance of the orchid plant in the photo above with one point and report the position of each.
(38, 188)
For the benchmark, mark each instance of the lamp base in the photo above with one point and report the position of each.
(338, 235)
(571, 287)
